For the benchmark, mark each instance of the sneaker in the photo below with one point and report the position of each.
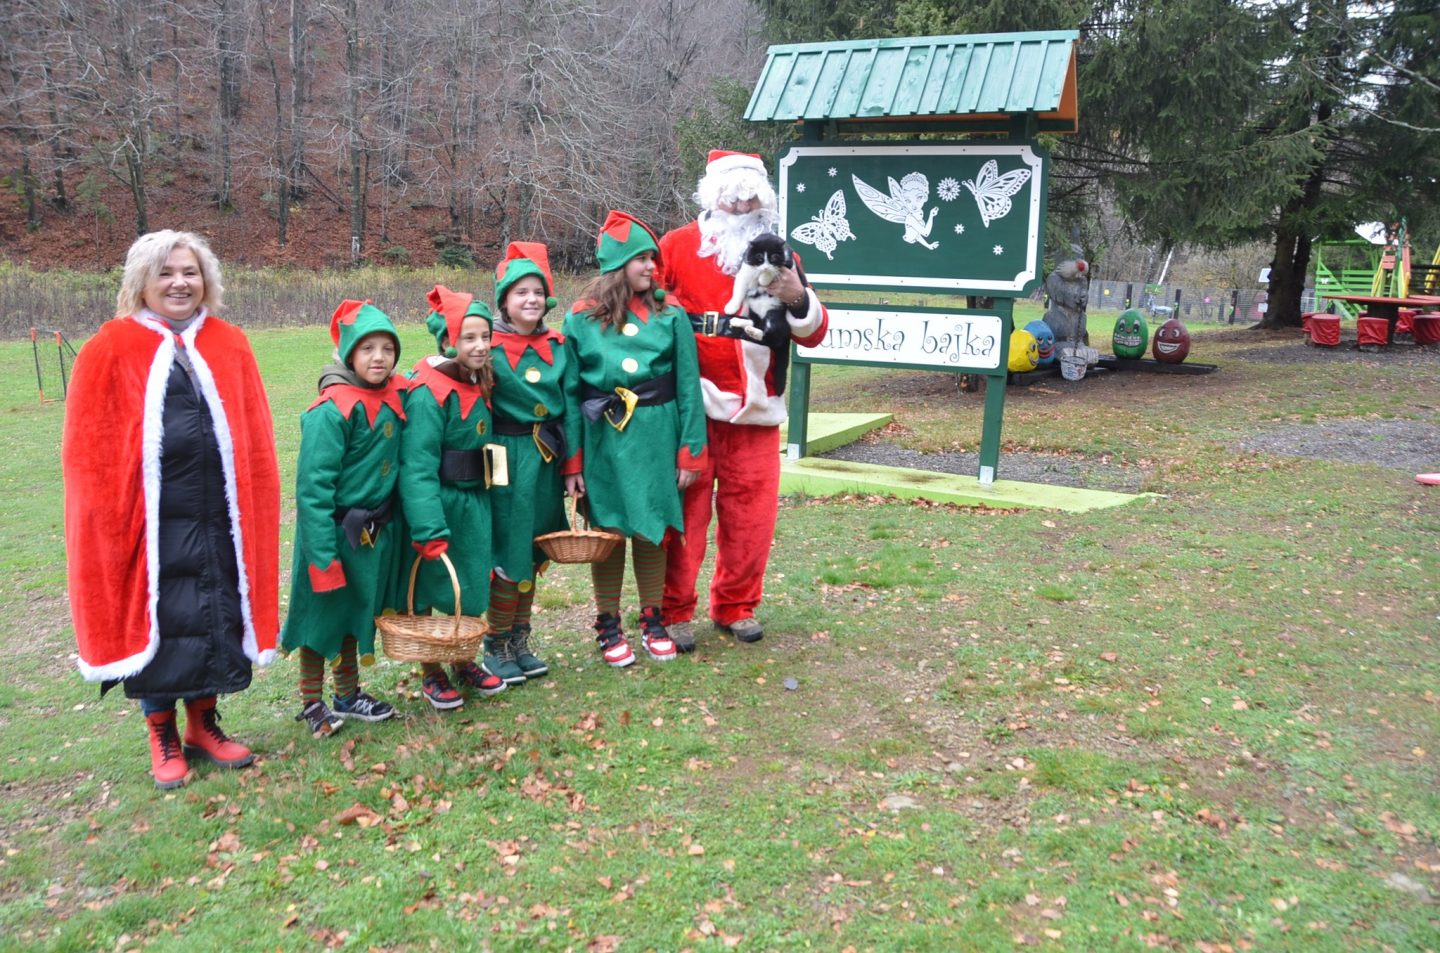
(746, 630)
(440, 693)
(656, 639)
(529, 662)
(322, 721)
(474, 677)
(683, 635)
(363, 706)
(500, 659)
(613, 647)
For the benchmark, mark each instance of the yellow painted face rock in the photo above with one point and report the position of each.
(1024, 351)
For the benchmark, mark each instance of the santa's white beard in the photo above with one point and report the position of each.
(725, 235)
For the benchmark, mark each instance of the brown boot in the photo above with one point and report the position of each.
(205, 739)
(167, 762)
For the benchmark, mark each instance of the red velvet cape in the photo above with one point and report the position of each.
(110, 454)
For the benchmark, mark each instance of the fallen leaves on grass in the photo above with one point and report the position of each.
(359, 815)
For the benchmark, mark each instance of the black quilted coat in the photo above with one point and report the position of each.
(201, 628)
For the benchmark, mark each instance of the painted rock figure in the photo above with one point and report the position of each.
(1068, 288)
(1172, 342)
(1131, 334)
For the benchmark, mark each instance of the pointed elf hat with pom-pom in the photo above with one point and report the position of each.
(449, 311)
(622, 237)
(353, 320)
(521, 259)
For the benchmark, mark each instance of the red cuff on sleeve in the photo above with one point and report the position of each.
(431, 550)
(329, 579)
(686, 460)
(575, 465)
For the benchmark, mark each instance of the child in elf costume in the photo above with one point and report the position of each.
(346, 547)
(634, 423)
(529, 363)
(443, 481)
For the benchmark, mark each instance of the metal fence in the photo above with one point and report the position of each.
(1215, 305)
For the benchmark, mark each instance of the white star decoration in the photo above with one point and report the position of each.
(999, 249)
(959, 229)
(949, 189)
(800, 187)
(831, 172)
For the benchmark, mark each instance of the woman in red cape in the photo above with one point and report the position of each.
(172, 503)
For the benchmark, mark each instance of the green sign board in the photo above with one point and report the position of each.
(960, 219)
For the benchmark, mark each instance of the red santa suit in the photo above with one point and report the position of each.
(111, 455)
(741, 480)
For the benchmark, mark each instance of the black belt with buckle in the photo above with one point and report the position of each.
(611, 404)
(549, 434)
(462, 466)
(714, 324)
(363, 526)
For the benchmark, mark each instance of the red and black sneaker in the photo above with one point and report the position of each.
(439, 692)
(657, 641)
(474, 677)
(613, 647)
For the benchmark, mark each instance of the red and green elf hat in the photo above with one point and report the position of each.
(622, 237)
(451, 308)
(521, 259)
(353, 320)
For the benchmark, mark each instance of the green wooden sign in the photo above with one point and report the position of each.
(961, 219)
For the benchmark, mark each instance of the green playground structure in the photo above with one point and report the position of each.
(1359, 267)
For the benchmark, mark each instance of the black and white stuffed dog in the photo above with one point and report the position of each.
(763, 318)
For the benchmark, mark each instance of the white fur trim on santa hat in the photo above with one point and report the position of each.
(720, 161)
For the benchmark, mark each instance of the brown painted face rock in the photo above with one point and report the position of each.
(1172, 342)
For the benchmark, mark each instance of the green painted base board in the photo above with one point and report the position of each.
(825, 432)
(834, 477)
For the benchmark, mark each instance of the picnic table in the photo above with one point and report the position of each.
(1382, 306)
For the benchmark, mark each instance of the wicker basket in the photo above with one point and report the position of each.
(579, 543)
(430, 638)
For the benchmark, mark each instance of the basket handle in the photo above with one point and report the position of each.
(454, 585)
(573, 506)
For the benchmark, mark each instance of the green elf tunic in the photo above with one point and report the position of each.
(445, 414)
(530, 393)
(348, 466)
(630, 472)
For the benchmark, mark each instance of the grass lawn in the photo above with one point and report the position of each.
(1207, 720)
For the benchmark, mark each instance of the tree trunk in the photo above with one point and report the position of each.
(299, 80)
(28, 190)
(352, 125)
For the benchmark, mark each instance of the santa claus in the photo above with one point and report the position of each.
(740, 484)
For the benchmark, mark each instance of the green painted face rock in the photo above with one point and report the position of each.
(1131, 335)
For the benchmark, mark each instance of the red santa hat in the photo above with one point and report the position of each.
(734, 177)
(720, 161)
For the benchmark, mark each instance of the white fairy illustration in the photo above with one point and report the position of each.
(826, 230)
(904, 205)
(992, 190)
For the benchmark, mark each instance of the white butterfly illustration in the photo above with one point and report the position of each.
(992, 190)
(905, 204)
(826, 230)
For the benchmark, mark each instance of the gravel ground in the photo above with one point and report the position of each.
(1046, 468)
(1407, 445)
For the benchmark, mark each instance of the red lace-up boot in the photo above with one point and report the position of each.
(204, 737)
(167, 763)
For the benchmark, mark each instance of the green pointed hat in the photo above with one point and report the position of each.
(353, 320)
(521, 259)
(450, 309)
(622, 237)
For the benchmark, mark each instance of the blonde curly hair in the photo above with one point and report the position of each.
(147, 256)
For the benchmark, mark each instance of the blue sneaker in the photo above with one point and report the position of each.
(363, 707)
